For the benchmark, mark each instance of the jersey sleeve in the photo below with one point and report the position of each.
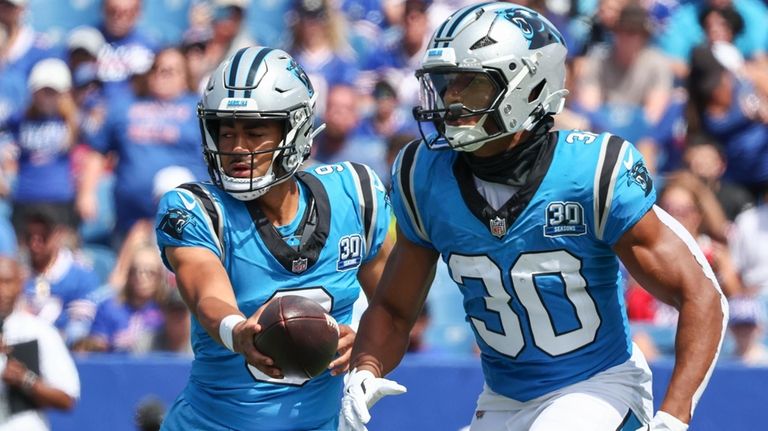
(404, 199)
(624, 189)
(181, 221)
(374, 207)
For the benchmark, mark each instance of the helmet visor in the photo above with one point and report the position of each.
(458, 93)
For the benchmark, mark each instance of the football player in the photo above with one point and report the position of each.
(261, 229)
(532, 223)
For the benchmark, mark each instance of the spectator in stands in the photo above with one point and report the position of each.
(89, 97)
(601, 25)
(229, 32)
(388, 116)
(370, 11)
(155, 130)
(130, 321)
(319, 43)
(173, 336)
(128, 51)
(194, 46)
(747, 324)
(84, 44)
(37, 371)
(342, 140)
(731, 111)
(721, 25)
(143, 231)
(705, 158)
(44, 136)
(13, 96)
(397, 60)
(748, 244)
(684, 31)
(629, 71)
(88, 94)
(23, 47)
(17, 55)
(60, 289)
(366, 23)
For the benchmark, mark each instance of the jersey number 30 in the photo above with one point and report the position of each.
(510, 341)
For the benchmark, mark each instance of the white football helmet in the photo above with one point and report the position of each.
(491, 70)
(259, 83)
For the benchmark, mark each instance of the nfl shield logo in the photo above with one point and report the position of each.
(498, 227)
(299, 265)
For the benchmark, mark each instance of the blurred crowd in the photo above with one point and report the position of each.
(98, 121)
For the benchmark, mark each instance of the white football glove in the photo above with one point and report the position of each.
(361, 391)
(664, 421)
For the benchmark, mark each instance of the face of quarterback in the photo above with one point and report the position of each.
(237, 139)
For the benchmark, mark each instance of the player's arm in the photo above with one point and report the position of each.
(382, 338)
(383, 334)
(17, 375)
(370, 272)
(205, 287)
(666, 261)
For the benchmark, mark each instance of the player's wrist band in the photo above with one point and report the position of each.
(29, 380)
(226, 326)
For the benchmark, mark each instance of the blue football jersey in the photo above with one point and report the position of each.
(540, 282)
(343, 219)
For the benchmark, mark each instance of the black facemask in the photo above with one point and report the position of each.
(511, 167)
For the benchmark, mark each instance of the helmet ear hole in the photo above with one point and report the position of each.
(536, 91)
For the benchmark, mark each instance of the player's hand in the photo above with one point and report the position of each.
(664, 421)
(346, 340)
(243, 336)
(361, 391)
(13, 374)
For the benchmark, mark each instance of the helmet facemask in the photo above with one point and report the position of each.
(286, 157)
(462, 107)
(255, 84)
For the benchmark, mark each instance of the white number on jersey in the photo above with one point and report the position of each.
(583, 137)
(329, 169)
(510, 340)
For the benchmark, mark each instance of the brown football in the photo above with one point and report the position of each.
(298, 335)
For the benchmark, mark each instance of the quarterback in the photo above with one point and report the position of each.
(262, 229)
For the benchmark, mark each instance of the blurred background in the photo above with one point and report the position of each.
(98, 120)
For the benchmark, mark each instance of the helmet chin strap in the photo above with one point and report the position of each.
(458, 136)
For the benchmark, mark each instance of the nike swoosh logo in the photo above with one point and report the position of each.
(189, 205)
(629, 162)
